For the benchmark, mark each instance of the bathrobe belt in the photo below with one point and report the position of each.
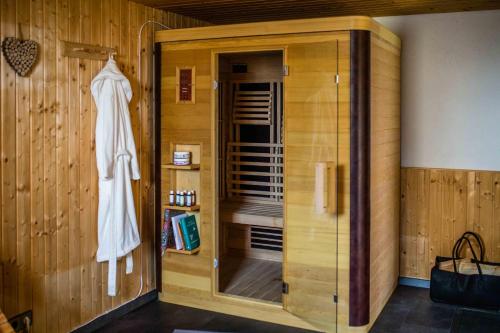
(124, 157)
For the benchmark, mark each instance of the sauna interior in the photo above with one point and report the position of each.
(250, 172)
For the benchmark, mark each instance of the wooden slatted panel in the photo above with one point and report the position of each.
(266, 238)
(252, 107)
(233, 11)
(457, 200)
(257, 164)
(48, 188)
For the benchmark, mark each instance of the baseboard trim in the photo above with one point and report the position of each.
(106, 318)
(413, 282)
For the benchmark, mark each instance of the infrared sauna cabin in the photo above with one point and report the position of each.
(294, 132)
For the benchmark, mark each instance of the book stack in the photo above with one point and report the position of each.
(179, 231)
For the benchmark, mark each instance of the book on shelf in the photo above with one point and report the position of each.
(179, 243)
(190, 233)
(167, 233)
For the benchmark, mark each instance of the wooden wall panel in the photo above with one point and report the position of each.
(384, 172)
(438, 205)
(48, 187)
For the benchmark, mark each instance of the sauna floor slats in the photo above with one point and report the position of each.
(254, 278)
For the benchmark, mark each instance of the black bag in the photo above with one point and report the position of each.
(476, 290)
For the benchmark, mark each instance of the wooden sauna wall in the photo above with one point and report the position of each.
(48, 189)
(385, 172)
(437, 206)
(188, 124)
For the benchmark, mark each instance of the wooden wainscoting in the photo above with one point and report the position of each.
(437, 206)
(48, 189)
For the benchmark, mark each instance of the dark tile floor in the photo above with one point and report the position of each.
(409, 310)
(158, 317)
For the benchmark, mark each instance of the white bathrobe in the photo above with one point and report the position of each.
(116, 164)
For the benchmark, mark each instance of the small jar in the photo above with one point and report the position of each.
(178, 198)
(189, 199)
(182, 200)
(171, 198)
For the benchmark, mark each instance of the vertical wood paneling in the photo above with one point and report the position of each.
(422, 250)
(85, 167)
(8, 164)
(105, 41)
(130, 44)
(62, 168)
(49, 184)
(147, 135)
(485, 227)
(50, 168)
(435, 208)
(136, 17)
(96, 269)
(459, 204)
(385, 175)
(496, 216)
(23, 170)
(458, 200)
(74, 168)
(37, 180)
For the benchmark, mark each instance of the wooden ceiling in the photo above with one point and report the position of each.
(238, 11)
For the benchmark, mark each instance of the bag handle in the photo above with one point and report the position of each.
(478, 240)
(456, 249)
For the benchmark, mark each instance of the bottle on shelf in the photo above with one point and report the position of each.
(171, 198)
(182, 200)
(193, 198)
(189, 199)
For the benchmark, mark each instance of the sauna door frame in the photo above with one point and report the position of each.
(216, 53)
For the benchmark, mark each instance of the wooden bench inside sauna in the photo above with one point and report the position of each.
(251, 174)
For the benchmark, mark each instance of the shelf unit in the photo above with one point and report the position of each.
(194, 208)
(172, 250)
(172, 166)
(188, 175)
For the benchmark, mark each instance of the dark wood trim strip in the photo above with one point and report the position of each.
(122, 310)
(156, 178)
(359, 263)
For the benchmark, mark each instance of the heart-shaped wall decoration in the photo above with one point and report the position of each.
(20, 54)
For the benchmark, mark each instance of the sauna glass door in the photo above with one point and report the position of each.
(310, 126)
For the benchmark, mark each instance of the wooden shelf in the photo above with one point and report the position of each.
(183, 208)
(172, 250)
(181, 167)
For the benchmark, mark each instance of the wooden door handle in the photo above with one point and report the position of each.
(325, 189)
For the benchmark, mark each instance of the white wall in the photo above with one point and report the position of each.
(450, 98)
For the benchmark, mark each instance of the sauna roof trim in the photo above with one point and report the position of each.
(326, 24)
(239, 11)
